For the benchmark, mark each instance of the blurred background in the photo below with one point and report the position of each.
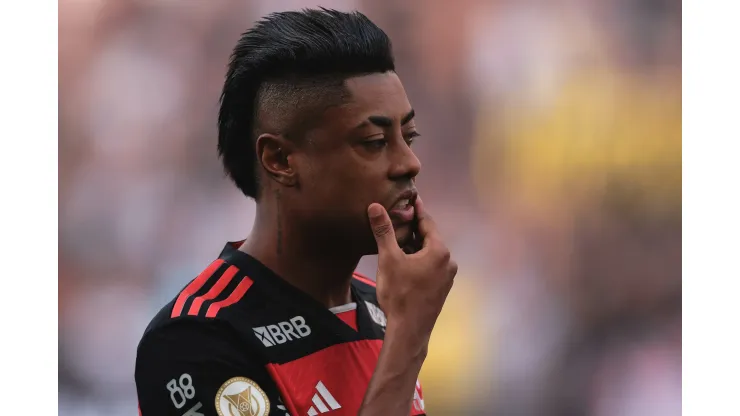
(552, 159)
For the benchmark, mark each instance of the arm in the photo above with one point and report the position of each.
(191, 368)
(412, 287)
(392, 385)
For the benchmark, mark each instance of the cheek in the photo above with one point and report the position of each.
(343, 184)
(362, 187)
(341, 175)
(326, 189)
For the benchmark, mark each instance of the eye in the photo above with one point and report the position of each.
(376, 144)
(409, 138)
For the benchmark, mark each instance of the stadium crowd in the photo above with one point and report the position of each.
(551, 153)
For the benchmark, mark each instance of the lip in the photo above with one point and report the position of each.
(409, 194)
(406, 215)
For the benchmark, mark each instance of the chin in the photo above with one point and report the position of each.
(403, 234)
(368, 247)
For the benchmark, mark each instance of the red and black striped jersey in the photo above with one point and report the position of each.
(240, 341)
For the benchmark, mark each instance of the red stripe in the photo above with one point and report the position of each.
(287, 400)
(234, 297)
(194, 286)
(364, 279)
(216, 290)
(349, 318)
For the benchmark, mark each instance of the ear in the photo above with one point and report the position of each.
(273, 153)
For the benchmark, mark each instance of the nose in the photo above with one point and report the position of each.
(405, 164)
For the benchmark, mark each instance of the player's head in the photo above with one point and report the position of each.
(313, 114)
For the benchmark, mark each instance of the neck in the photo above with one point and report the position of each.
(306, 261)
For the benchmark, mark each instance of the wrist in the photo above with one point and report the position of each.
(408, 338)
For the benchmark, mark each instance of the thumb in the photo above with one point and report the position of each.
(382, 228)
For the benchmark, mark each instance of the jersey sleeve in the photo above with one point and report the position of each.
(190, 368)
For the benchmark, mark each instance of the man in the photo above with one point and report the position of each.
(316, 127)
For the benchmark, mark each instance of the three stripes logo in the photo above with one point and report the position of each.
(211, 283)
(323, 401)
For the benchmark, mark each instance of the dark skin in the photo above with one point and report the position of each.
(312, 224)
(330, 199)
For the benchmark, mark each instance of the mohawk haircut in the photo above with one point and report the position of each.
(290, 67)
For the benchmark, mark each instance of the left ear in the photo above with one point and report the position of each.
(274, 153)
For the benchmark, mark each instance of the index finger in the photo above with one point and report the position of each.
(426, 225)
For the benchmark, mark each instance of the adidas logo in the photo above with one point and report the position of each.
(326, 405)
(282, 332)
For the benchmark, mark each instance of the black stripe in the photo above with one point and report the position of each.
(228, 290)
(203, 290)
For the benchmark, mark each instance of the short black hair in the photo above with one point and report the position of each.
(286, 60)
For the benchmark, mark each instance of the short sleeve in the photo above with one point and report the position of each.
(195, 368)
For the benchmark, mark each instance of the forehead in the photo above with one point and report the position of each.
(378, 92)
(370, 95)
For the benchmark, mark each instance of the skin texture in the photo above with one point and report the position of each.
(328, 200)
(312, 226)
(348, 162)
(412, 289)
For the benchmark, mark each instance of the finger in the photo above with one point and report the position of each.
(452, 269)
(382, 228)
(425, 224)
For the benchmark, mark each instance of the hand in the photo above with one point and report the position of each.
(411, 288)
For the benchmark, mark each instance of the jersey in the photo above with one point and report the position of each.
(240, 341)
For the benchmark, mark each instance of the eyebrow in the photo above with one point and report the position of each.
(383, 121)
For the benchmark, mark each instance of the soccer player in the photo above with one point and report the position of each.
(315, 126)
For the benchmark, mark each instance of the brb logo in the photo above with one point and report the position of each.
(283, 332)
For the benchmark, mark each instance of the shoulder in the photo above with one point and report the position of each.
(364, 288)
(184, 365)
(189, 339)
(209, 297)
(363, 283)
(205, 307)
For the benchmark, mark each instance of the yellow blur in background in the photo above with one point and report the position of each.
(551, 155)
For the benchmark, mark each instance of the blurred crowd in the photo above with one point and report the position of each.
(551, 155)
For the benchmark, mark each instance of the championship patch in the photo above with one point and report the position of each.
(241, 396)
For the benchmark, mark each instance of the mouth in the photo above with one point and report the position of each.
(402, 211)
